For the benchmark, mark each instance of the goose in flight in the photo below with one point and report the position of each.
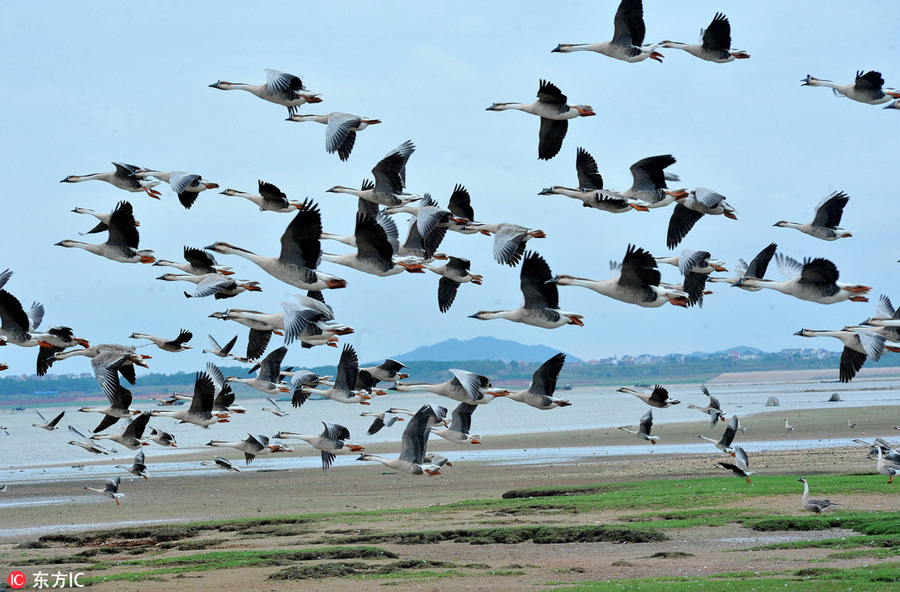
(131, 436)
(268, 379)
(435, 418)
(201, 410)
(49, 425)
(628, 37)
(756, 269)
(280, 88)
(340, 135)
(555, 114)
(332, 441)
(816, 506)
(859, 345)
(383, 419)
(648, 188)
(109, 351)
(162, 438)
(300, 253)
(816, 280)
(103, 217)
(138, 468)
(453, 273)
(106, 366)
(465, 387)
(274, 409)
(637, 282)
(825, 223)
(85, 443)
(220, 463)
(124, 177)
(460, 426)
(541, 305)
(179, 344)
(110, 490)
(412, 447)
(374, 254)
(643, 430)
(713, 409)
(269, 199)
(219, 350)
(198, 262)
(658, 397)
(690, 208)
(590, 183)
(715, 43)
(390, 180)
(543, 384)
(387, 371)
(724, 443)
(122, 242)
(212, 284)
(252, 446)
(345, 382)
(186, 185)
(866, 88)
(741, 465)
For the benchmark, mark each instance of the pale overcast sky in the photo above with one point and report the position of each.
(90, 83)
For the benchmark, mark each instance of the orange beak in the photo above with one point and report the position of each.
(82, 342)
(147, 259)
(640, 208)
(655, 55)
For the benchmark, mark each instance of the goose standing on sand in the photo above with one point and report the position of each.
(122, 242)
(460, 426)
(809, 504)
(716, 43)
(179, 344)
(268, 378)
(138, 467)
(713, 409)
(49, 425)
(815, 280)
(590, 182)
(628, 37)
(390, 179)
(465, 387)
(453, 273)
(658, 397)
(340, 135)
(252, 446)
(866, 88)
(741, 465)
(859, 344)
(270, 198)
(111, 489)
(199, 262)
(541, 306)
(643, 430)
(690, 208)
(555, 114)
(186, 185)
(412, 447)
(124, 177)
(345, 382)
(200, 412)
(131, 436)
(383, 419)
(332, 441)
(724, 443)
(825, 223)
(280, 88)
(300, 253)
(788, 426)
(543, 384)
(886, 467)
(637, 282)
(648, 188)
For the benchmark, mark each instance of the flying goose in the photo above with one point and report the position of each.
(332, 441)
(131, 436)
(340, 135)
(179, 344)
(138, 467)
(460, 426)
(49, 425)
(825, 223)
(658, 397)
(106, 366)
(162, 438)
(122, 242)
(816, 280)
(555, 114)
(756, 269)
(543, 384)
(199, 262)
(220, 463)
(643, 430)
(724, 443)
(383, 419)
(435, 418)
(541, 305)
(200, 412)
(691, 261)
(280, 88)
(866, 88)
(110, 490)
(628, 37)
(809, 504)
(859, 344)
(345, 382)
(648, 188)
(268, 379)
(108, 351)
(274, 409)
(374, 254)
(85, 443)
(252, 446)
(690, 208)
(218, 350)
(390, 179)
(212, 284)
(465, 387)
(509, 240)
(412, 447)
(387, 371)
(453, 273)
(716, 43)
(590, 182)
(186, 185)
(123, 177)
(103, 217)
(270, 198)
(741, 465)
(713, 409)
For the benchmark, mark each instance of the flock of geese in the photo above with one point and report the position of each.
(375, 248)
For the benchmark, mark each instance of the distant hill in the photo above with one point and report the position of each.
(482, 348)
(740, 350)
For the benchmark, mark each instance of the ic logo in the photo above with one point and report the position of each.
(16, 580)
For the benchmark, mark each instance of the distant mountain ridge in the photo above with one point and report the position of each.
(482, 348)
(740, 350)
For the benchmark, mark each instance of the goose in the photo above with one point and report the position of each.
(390, 179)
(628, 37)
(858, 345)
(426, 230)
(555, 114)
(345, 382)
(106, 366)
(691, 261)
(509, 240)
(460, 208)
(866, 88)
(340, 135)
(130, 357)
(436, 459)
(741, 465)
(724, 443)
(224, 395)
(887, 452)
(131, 436)
(200, 412)
(387, 371)
(274, 409)
(412, 447)
(713, 409)
(590, 182)
(435, 418)
(716, 43)
(541, 305)
(816, 280)
(825, 223)
(788, 426)
(381, 217)
(103, 217)
(332, 441)
(124, 177)
(852, 426)
(110, 490)
(659, 397)
(648, 188)
(637, 282)
(267, 380)
(198, 262)
(186, 185)
(809, 504)
(252, 446)
(162, 438)
(49, 425)
(382, 419)
(453, 273)
(374, 253)
(212, 284)
(300, 253)
(543, 384)
(886, 467)
(280, 88)
(643, 430)
(220, 463)
(123, 240)
(465, 387)
(138, 468)
(54, 341)
(85, 443)
(218, 350)
(270, 198)
(179, 344)
(756, 269)
(690, 208)
(460, 425)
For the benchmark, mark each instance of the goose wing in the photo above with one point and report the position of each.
(204, 394)
(415, 436)
(340, 135)
(272, 194)
(257, 342)
(680, 223)
(270, 366)
(639, 269)
(390, 172)
(717, 36)
(201, 259)
(462, 418)
(347, 374)
(300, 242)
(730, 431)
(760, 263)
(588, 174)
(123, 230)
(283, 84)
(829, 212)
(628, 24)
(533, 278)
(648, 172)
(181, 183)
(551, 136)
(13, 318)
(447, 289)
(460, 203)
(372, 243)
(659, 395)
(509, 244)
(550, 94)
(543, 381)
(469, 382)
(646, 423)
